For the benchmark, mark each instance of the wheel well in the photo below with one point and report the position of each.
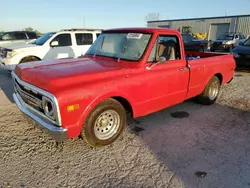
(127, 106)
(30, 57)
(220, 77)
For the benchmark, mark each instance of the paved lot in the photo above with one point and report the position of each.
(6, 88)
(188, 145)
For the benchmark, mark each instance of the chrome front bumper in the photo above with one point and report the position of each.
(59, 134)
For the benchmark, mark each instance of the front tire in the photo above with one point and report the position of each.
(104, 124)
(210, 93)
(29, 59)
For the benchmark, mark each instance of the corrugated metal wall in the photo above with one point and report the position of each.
(243, 25)
(240, 24)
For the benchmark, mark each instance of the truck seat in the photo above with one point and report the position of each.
(167, 50)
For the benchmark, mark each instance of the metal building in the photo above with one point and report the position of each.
(213, 26)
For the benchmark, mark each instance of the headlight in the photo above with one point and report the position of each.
(11, 53)
(48, 107)
(228, 42)
(235, 54)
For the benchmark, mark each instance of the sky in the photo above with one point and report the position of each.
(54, 15)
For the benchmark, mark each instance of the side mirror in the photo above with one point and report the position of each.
(162, 60)
(54, 43)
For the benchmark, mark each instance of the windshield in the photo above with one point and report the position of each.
(247, 42)
(41, 40)
(127, 46)
(225, 37)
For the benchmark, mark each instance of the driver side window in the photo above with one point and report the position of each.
(8, 36)
(63, 40)
(166, 46)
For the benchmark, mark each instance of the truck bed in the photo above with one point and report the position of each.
(204, 65)
(202, 54)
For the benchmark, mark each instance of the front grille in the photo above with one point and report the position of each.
(32, 97)
(217, 43)
(29, 96)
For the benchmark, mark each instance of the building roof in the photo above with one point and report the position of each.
(202, 18)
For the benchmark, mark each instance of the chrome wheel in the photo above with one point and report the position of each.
(107, 124)
(213, 90)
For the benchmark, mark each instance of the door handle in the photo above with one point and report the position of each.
(182, 69)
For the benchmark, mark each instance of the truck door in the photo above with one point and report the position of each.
(83, 42)
(167, 83)
(60, 47)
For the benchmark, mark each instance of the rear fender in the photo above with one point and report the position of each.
(219, 75)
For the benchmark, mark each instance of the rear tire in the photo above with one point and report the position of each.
(104, 124)
(210, 93)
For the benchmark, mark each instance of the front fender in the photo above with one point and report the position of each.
(19, 56)
(74, 120)
(101, 98)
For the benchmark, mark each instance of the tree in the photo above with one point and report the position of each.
(31, 29)
(28, 29)
(152, 17)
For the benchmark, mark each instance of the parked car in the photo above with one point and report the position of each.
(241, 53)
(192, 44)
(14, 38)
(68, 43)
(227, 42)
(138, 70)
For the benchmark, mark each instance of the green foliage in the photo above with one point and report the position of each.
(31, 29)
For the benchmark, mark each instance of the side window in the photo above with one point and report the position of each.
(84, 38)
(20, 36)
(63, 39)
(8, 36)
(236, 36)
(186, 29)
(97, 35)
(31, 35)
(242, 37)
(166, 46)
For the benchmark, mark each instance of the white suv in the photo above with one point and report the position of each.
(69, 43)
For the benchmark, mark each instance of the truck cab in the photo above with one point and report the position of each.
(134, 71)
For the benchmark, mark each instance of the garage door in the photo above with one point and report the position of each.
(217, 30)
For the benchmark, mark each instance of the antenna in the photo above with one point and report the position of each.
(226, 13)
(83, 21)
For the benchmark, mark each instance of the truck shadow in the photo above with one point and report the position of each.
(203, 146)
(6, 84)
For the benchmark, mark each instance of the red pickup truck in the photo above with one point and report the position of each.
(135, 70)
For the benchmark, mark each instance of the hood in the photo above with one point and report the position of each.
(17, 47)
(58, 74)
(242, 50)
(222, 40)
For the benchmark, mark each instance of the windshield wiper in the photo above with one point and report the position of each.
(99, 47)
(123, 48)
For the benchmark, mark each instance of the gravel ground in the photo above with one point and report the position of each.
(188, 145)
